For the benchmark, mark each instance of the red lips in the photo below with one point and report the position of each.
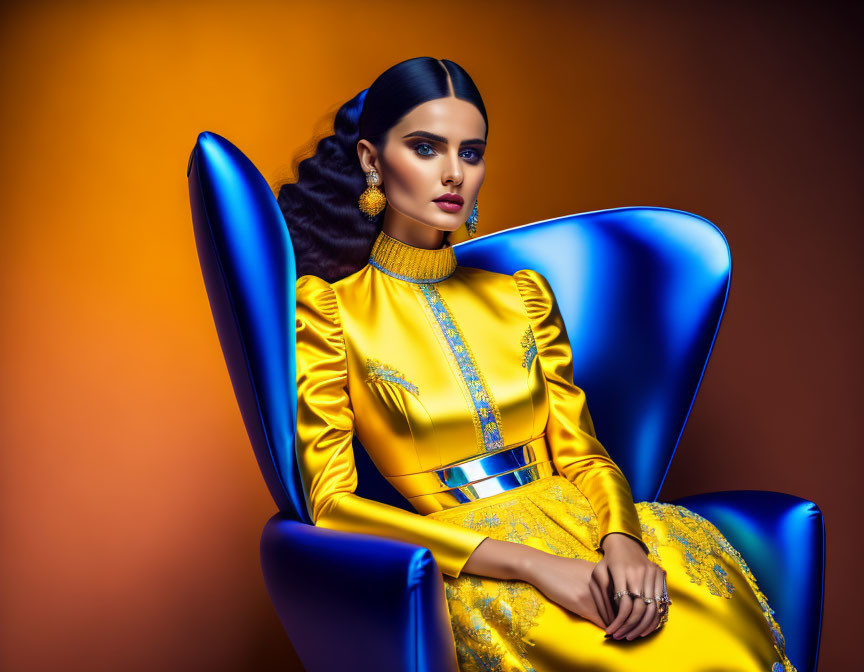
(452, 198)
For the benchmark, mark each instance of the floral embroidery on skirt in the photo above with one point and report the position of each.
(491, 619)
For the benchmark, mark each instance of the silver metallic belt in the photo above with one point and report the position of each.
(477, 477)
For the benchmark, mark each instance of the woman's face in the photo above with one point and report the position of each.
(435, 149)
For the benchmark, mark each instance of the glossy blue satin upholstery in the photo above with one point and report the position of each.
(248, 266)
(361, 602)
(642, 291)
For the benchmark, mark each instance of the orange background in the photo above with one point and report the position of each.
(131, 501)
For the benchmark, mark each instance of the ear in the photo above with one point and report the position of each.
(368, 156)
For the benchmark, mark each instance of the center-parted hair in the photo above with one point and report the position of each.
(331, 237)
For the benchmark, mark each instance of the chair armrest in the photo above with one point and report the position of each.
(782, 539)
(355, 601)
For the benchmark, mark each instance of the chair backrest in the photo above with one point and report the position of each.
(642, 291)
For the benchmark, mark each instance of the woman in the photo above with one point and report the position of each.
(448, 374)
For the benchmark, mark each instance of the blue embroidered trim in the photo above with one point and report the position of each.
(484, 403)
(529, 347)
(377, 370)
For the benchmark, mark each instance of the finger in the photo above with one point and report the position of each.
(600, 578)
(598, 601)
(604, 581)
(594, 617)
(636, 612)
(635, 582)
(649, 617)
(625, 604)
(659, 589)
(625, 607)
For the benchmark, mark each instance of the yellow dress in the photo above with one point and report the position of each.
(434, 364)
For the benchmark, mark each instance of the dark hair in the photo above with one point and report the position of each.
(332, 238)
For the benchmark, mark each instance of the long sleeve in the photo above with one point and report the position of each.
(576, 452)
(325, 429)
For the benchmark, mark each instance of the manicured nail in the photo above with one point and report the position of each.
(609, 635)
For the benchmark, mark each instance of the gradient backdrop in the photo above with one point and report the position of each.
(131, 501)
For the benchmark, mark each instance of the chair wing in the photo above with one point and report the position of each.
(642, 291)
(248, 265)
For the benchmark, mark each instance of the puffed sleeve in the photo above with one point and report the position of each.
(576, 452)
(325, 454)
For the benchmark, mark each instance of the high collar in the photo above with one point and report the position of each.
(414, 264)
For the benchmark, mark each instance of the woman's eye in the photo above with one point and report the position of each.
(475, 155)
(420, 149)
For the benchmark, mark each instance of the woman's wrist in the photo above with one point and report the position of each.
(615, 540)
(502, 560)
(524, 560)
(611, 539)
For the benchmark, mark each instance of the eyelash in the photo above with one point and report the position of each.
(479, 155)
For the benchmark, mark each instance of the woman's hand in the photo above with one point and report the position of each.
(568, 582)
(625, 567)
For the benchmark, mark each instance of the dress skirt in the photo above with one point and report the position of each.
(719, 620)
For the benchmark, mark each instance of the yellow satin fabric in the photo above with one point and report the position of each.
(372, 359)
(370, 315)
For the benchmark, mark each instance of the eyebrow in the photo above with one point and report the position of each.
(441, 139)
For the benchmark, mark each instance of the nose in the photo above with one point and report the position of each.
(452, 171)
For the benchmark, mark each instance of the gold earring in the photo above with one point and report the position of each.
(372, 201)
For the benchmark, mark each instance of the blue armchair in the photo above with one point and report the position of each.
(642, 291)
